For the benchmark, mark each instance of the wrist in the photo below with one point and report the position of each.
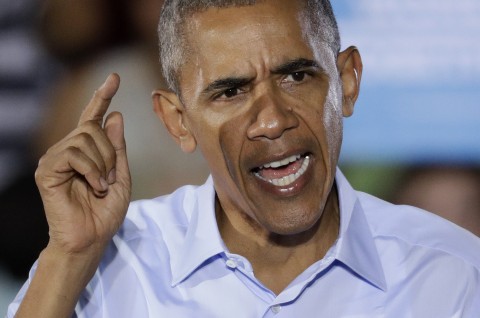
(78, 266)
(58, 281)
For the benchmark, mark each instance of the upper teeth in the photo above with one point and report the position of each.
(291, 178)
(280, 163)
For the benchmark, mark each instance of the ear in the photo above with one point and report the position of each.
(349, 64)
(171, 112)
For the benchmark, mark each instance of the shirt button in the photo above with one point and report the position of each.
(231, 263)
(276, 309)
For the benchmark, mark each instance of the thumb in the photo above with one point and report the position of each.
(114, 129)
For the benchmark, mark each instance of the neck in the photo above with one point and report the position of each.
(278, 259)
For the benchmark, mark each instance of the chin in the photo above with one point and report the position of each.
(293, 224)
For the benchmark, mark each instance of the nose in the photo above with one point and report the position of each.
(272, 116)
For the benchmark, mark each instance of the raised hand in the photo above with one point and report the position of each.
(84, 179)
(85, 186)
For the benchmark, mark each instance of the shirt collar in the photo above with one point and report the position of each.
(355, 247)
(202, 238)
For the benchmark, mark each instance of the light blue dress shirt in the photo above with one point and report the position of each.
(168, 260)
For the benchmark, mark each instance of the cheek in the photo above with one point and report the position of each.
(332, 112)
(333, 120)
(321, 117)
(231, 139)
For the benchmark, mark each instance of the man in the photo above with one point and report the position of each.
(261, 88)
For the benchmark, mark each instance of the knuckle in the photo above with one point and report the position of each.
(41, 161)
(83, 138)
(41, 170)
(91, 126)
(41, 164)
(71, 151)
(38, 176)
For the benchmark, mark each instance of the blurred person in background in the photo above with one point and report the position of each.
(450, 191)
(26, 72)
(55, 52)
(157, 169)
(77, 31)
(39, 41)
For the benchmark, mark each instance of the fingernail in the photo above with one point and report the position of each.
(112, 176)
(101, 87)
(104, 83)
(104, 184)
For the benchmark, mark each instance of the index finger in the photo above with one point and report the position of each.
(98, 105)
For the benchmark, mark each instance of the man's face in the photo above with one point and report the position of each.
(263, 106)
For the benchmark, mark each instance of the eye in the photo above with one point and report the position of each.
(295, 77)
(229, 93)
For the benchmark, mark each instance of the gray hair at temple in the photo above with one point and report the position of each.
(318, 15)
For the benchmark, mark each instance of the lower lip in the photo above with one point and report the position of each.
(289, 190)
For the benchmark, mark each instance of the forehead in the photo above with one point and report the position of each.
(263, 12)
(269, 32)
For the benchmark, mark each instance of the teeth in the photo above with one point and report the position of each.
(287, 180)
(280, 163)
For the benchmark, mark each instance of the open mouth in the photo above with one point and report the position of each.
(283, 172)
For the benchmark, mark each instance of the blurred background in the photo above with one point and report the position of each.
(413, 139)
(415, 135)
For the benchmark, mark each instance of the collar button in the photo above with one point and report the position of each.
(276, 309)
(231, 263)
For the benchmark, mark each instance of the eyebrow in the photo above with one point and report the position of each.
(294, 65)
(225, 83)
(285, 68)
